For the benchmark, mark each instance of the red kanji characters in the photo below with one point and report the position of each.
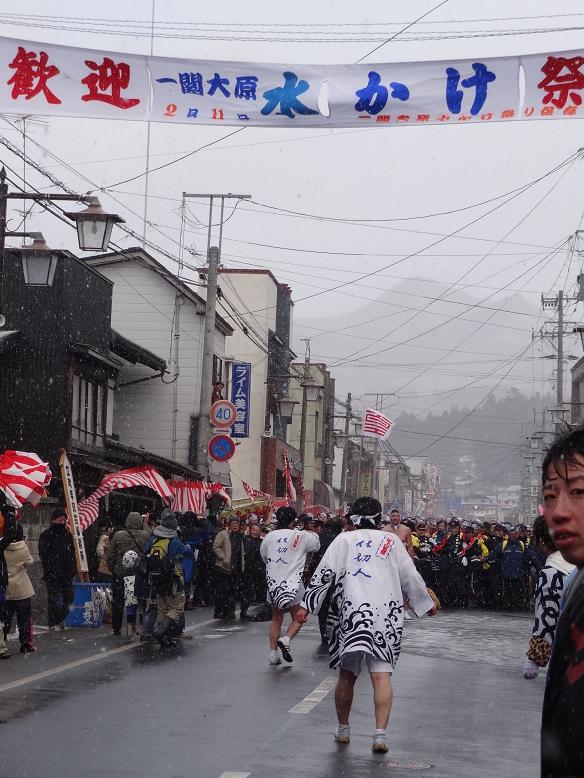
(529, 111)
(30, 69)
(563, 78)
(464, 117)
(107, 83)
(486, 117)
(383, 117)
(508, 113)
(570, 110)
(403, 117)
(444, 117)
(423, 117)
(547, 111)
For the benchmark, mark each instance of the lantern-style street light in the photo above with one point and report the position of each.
(286, 407)
(39, 262)
(94, 226)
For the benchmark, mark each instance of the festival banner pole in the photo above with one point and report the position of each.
(73, 513)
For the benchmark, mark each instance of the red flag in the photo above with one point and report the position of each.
(376, 424)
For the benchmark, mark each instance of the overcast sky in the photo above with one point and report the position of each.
(350, 174)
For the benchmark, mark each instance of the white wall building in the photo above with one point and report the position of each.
(154, 308)
(264, 310)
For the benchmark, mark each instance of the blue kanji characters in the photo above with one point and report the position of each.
(366, 543)
(480, 81)
(218, 83)
(286, 97)
(245, 87)
(191, 83)
(373, 97)
(361, 572)
(362, 557)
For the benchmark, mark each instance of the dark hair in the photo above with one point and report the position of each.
(367, 506)
(334, 525)
(565, 450)
(18, 532)
(541, 533)
(58, 513)
(285, 516)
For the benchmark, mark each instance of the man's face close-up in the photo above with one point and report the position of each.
(395, 518)
(563, 500)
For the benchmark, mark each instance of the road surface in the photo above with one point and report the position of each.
(92, 706)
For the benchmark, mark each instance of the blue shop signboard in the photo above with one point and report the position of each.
(240, 396)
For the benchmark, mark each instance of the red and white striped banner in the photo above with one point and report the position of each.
(287, 473)
(144, 475)
(23, 477)
(255, 494)
(376, 424)
(193, 495)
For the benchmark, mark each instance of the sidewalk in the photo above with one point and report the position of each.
(73, 644)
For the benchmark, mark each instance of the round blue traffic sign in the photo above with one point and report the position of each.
(221, 448)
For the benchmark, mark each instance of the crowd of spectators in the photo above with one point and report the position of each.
(217, 562)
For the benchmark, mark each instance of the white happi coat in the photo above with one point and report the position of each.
(284, 552)
(367, 569)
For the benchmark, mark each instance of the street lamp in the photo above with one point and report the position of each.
(558, 414)
(286, 407)
(94, 226)
(312, 389)
(535, 441)
(39, 262)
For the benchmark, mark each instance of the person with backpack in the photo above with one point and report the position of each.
(132, 538)
(163, 568)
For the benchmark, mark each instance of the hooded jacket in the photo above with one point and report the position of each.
(57, 552)
(18, 558)
(132, 538)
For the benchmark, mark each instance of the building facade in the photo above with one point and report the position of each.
(261, 311)
(151, 305)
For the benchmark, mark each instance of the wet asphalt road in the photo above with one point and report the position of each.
(89, 706)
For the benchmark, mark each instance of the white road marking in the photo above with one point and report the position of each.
(316, 695)
(212, 637)
(86, 661)
(230, 774)
(229, 629)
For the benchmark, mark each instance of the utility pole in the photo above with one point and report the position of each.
(204, 436)
(345, 450)
(560, 368)
(304, 413)
(557, 303)
(206, 393)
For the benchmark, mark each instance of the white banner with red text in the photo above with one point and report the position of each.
(47, 79)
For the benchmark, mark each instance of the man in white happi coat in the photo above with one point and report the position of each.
(368, 570)
(284, 552)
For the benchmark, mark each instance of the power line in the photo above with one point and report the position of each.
(399, 32)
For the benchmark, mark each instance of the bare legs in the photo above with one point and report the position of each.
(344, 695)
(382, 698)
(276, 626)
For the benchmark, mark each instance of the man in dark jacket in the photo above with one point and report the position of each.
(511, 554)
(57, 555)
(132, 538)
(562, 743)
(253, 581)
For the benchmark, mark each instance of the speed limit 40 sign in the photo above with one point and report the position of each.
(223, 414)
